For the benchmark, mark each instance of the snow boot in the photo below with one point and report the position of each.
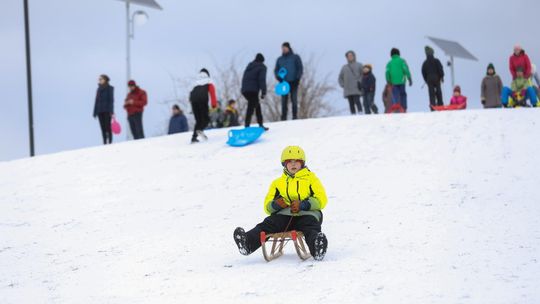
(265, 128)
(201, 134)
(321, 243)
(194, 140)
(240, 238)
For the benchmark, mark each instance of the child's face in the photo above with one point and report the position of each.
(366, 70)
(293, 165)
(519, 74)
(491, 72)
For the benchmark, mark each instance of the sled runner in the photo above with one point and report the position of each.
(449, 107)
(244, 137)
(279, 240)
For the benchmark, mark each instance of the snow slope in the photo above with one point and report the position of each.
(424, 208)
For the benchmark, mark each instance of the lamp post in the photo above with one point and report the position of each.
(139, 17)
(29, 78)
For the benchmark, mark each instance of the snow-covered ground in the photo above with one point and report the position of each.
(423, 208)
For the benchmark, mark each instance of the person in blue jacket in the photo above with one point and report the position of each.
(178, 122)
(104, 107)
(293, 64)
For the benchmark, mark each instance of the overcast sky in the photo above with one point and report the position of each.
(75, 41)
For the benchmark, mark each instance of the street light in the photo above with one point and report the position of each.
(29, 79)
(140, 18)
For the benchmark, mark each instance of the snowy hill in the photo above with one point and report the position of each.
(423, 208)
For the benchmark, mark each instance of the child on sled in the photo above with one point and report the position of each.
(294, 202)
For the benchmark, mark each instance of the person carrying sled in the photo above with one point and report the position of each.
(397, 74)
(203, 91)
(294, 202)
(520, 91)
(491, 89)
(433, 73)
(293, 64)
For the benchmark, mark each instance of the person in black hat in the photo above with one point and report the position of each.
(293, 64)
(253, 83)
(433, 73)
(203, 92)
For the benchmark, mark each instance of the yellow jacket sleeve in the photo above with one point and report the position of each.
(270, 197)
(318, 191)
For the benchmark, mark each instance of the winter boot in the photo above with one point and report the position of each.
(201, 134)
(321, 243)
(265, 128)
(240, 238)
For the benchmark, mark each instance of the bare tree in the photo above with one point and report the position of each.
(313, 91)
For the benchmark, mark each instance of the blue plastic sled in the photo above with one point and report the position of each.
(283, 88)
(244, 137)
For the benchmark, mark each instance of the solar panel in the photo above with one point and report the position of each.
(453, 49)
(147, 3)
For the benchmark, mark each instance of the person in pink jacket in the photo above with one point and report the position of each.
(458, 99)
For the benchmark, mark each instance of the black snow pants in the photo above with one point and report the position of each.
(105, 124)
(276, 223)
(202, 117)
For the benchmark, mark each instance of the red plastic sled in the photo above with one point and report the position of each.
(395, 108)
(449, 107)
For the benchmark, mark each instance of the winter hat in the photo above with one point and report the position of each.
(259, 58)
(287, 45)
(518, 47)
(457, 89)
(176, 107)
(204, 70)
(429, 50)
(132, 83)
(491, 66)
(394, 51)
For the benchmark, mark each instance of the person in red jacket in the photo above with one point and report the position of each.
(135, 102)
(203, 91)
(520, 59)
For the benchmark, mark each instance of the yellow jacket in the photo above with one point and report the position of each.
(303, 186)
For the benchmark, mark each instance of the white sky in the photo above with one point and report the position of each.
(75, 41)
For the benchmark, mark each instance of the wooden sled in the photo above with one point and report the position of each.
(279, 240)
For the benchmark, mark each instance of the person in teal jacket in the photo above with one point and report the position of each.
(397, 74)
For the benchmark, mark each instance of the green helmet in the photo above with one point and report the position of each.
(293, 152)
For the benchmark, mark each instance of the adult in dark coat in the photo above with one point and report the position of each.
(253, 83)
(178, 122)
(293, 63)
(104, 107)
(433, 73)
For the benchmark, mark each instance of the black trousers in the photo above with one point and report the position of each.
(435, 94)
(136, 126)
(253, 106)
(105, 124)
(275, 223)
(294, 100)
(202, 118)
(354, 100)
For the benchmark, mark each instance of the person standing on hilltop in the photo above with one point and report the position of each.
(397, 74)
(293, 64)
(433, 73)
(134, 104)
(350, 80)
(104, 108)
